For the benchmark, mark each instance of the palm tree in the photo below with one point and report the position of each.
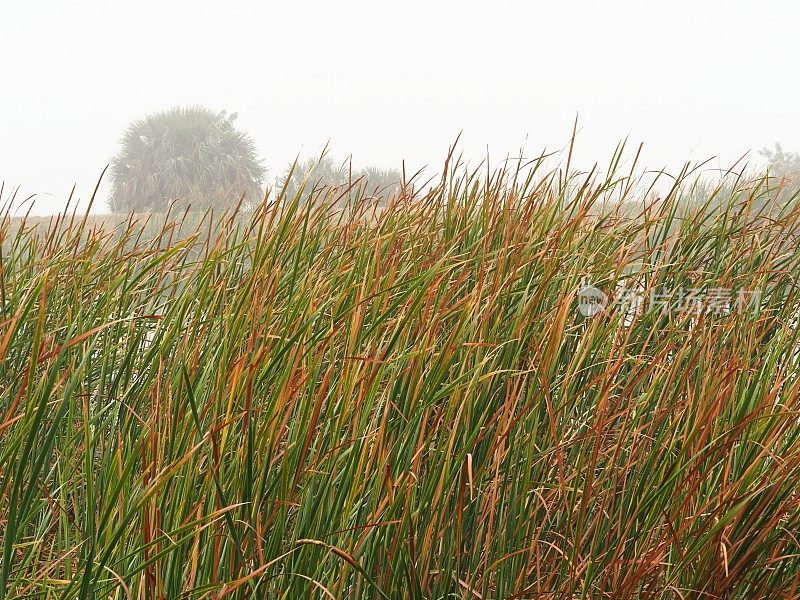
(310, 176)
(191, 156)
(382, 183)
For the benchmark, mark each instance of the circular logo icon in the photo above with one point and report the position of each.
(591, 300)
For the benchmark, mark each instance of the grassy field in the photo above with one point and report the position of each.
(314, 402)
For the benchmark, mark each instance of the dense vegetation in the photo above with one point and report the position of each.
(193, 156)
(311, 177)
(326, 400)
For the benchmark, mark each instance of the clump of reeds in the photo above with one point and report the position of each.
(319, 399)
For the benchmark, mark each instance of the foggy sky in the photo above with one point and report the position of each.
(392, 81)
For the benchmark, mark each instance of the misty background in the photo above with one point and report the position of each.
(393, 82)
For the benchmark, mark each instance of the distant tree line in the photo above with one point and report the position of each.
(311, 176)
(197, 158)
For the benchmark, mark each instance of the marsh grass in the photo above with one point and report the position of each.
(323, 400)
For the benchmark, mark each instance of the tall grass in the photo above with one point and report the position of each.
(320, 400)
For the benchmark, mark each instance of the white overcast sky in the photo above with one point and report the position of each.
(388, 81)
